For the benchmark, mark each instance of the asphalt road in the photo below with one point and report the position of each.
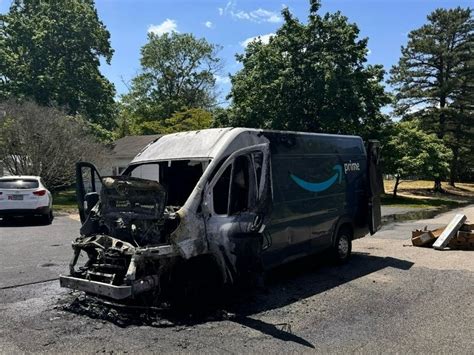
(390, 297)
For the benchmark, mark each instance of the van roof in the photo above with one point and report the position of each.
(203, 144)
(192, 144)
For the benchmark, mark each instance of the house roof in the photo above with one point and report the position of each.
(129, 146)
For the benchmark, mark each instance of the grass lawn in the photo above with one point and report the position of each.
(419, 194)
(65, 201)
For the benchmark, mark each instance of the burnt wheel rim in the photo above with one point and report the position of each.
(343, 246)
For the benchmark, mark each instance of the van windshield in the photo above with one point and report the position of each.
(179, 177)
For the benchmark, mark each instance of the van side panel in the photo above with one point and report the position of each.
(317, 180)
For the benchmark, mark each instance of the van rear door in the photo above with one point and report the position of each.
(375, 187)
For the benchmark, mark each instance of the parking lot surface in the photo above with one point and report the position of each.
(390, 297)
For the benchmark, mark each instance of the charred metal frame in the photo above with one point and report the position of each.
(195, 235)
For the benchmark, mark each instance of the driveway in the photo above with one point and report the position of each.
(390, 297)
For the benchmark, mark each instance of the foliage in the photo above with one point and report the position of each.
(410, 151)
(221, 117)
(178, 73)
(434, 80)
(189, 120)
(50, 52)
(44, 141)
(309, 77)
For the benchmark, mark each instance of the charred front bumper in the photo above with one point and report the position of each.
(116, 269)
(111, 291)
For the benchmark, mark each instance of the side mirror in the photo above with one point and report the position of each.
(91, 200)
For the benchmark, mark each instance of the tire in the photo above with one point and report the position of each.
(47, 219)
(196, 287)
(341, 251)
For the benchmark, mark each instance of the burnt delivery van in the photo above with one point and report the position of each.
(221, 204)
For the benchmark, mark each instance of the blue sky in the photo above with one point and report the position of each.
(230, 23)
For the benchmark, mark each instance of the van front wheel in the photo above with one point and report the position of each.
(342, 248)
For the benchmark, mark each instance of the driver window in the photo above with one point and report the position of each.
(240, 185)
(237, 188)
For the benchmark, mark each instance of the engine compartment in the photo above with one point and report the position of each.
(131, 235)
(132, 210)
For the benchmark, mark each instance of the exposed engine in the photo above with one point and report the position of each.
(131, 215)
(133, 210)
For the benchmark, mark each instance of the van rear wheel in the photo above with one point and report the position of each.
(341, 251)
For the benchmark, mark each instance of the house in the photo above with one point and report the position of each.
(126, 148)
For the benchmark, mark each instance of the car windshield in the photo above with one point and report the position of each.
(19, 184)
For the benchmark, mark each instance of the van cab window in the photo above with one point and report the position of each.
(240, 185)
(236, 189)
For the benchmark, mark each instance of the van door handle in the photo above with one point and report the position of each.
(257, 223)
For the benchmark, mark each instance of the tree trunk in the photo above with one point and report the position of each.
(395, 188)
(437, 185)
(454, 167)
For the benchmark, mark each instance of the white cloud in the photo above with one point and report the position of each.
(369, 52)
(264, 38)
(209, 24)
(241, 15)
(166, 26)
(260, 15)
(222, 79)
(265, 16)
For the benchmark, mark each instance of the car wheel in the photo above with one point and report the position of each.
(342, 248)
(47, 218)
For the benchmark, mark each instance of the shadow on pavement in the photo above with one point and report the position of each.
(285, 285)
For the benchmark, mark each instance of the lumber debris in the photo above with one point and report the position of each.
(425, 238)
(449, 232)
(458, 234)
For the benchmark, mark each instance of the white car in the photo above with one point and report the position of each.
(25, 196)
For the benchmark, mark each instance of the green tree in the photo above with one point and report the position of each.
(178, 73)
(50, 52)
(434, 80)
(190, 120)
(309, 77)
(410, 151)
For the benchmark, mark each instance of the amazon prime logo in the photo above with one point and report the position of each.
(351, 167)
(321, 185)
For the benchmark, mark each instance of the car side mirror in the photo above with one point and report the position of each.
(91, 200)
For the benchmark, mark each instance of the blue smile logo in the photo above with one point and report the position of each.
(319, 186)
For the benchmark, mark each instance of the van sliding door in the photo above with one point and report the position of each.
(375, 188)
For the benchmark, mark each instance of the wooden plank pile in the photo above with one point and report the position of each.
(458, 234)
